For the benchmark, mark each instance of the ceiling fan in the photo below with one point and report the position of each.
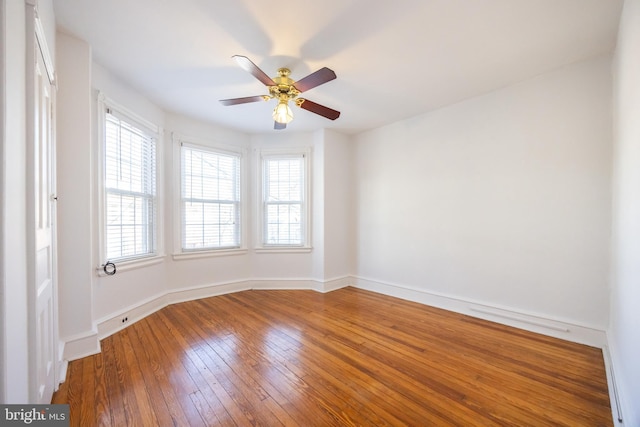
(284, 89)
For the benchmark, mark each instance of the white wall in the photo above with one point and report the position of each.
(74, 181)
(624, 335)
(502, 199)
(318, 191)
(339, 248)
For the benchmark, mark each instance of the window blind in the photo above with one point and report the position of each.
(130, 189)
(210, 199)
(284, 201)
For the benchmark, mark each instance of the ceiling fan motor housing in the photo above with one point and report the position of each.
(284, 89)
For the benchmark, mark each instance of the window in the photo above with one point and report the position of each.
(130, 196)
(210, 208)
(285, 209)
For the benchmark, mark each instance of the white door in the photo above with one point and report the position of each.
(44, 302)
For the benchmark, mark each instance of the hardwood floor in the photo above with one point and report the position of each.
(346, 358)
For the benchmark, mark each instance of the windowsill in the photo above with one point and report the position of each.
(132, 264)
(283, 250)
(208, 253)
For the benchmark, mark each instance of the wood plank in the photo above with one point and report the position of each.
(168, 410)
(138, 407)
(100, 412)
(75, 391)
(111, 383)
(349, 357)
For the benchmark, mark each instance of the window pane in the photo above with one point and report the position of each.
(284, 179)
(130, 189)
(210, 199)
(283, 200)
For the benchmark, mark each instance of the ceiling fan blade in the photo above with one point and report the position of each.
(321, 76)
(252, 68)
(245, 100)
(279, 126)
(327, 112)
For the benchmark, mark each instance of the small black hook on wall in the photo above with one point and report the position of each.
(109, 268)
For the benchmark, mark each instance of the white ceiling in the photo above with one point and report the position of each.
(394, 59)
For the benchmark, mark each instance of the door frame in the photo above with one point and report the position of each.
(36, 44)
(3, 320)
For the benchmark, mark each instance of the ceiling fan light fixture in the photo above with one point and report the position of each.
(282, 113)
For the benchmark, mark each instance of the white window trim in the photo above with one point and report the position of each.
(178, 252)
(135, 262)
(260, 247)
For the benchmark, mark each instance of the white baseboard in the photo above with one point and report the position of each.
(336, 283)
(189, 294)
(81, 345)
(322, 286)
(582, 334)
(279, 284)
(614, 395)
(62, 372)
(115, 322)
(63, 364)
